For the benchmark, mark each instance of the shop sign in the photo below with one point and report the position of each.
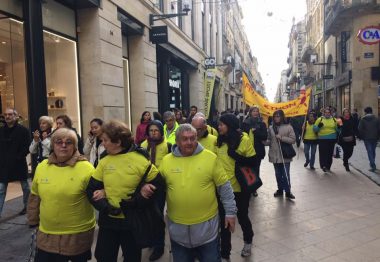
(343, 47)
(174, 83)
(159, 34)
(210, 62)
(369, 35)
(328, 76)
(368, 55)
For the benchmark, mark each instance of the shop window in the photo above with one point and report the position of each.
(62, 77)
(175, 87)
(12, 7)
(13, 89)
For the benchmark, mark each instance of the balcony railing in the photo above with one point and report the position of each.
(339, 12)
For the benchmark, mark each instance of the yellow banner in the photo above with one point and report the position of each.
(209, 88)
(296, 107)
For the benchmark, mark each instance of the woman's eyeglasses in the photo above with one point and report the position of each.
(61, 142)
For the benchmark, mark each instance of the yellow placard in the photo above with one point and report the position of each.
(209, 88)
(296, 107)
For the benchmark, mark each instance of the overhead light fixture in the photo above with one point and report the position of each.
(3, 42)
(185, 11)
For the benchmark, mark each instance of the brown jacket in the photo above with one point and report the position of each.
(287, 136)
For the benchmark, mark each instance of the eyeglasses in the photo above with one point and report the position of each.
(67, 142)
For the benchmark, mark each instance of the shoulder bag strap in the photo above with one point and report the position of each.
(140, 185)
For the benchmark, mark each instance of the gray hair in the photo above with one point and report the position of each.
(196, 117)
(184, 128)
(64, 133)
(200, 114)
(168, 115)
(47, 119)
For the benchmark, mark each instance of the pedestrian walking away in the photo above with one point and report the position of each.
(310, 141)
(235, 147)
(58, 204)
(326, 128)
(346, 138)
(280, 132)
(14, 147)
(369, 131)
(193, 175)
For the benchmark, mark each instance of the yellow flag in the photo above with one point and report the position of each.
(296, 107)
(209, 88)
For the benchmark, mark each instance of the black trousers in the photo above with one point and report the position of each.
(242, 203)
(43, 256)
(326, 151)
(109, 241)
(348, 149)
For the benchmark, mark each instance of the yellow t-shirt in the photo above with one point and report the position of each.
(161, 151)
(190, 185)
(64, 207)
(309, 132)
(212, 131)
(121, 174)
(245, 149)
(171, 137)
(209, 142)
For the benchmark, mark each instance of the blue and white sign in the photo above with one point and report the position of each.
(369, 35)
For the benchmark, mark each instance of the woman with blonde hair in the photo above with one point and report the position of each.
(41, 138)
(58, 204)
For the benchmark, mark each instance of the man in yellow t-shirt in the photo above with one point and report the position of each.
(192, 176)
(207, 140)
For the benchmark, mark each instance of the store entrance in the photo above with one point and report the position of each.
(13, 89)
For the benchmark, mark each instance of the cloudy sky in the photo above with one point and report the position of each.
(267, 24)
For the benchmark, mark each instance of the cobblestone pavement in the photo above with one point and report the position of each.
(335, 217)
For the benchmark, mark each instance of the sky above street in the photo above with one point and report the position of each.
(268, 24)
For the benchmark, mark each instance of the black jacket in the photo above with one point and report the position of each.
(369, 127)
(14, 147)
(347, 129)
(260, 134)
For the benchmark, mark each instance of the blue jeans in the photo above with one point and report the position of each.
(283, 180)
(206, 253)
(310, 157)
(3, 191)
(370, 145)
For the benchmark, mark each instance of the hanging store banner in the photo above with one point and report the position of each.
(296, 107)
(209, 89)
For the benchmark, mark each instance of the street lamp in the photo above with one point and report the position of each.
(185, 11)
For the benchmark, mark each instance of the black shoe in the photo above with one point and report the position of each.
(324, 169)
(278, 193)
(22, 212)
(290, 196)
(157, 253)
(255, 194)
(306, 164)
(347, 167)
(312, 168)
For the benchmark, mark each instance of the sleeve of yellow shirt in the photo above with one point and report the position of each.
(246, 147)
(34, 189)
(152, 173)
(89, 172)
(219, 174)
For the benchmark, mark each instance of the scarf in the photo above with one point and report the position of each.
(152, 148)
(76, 157)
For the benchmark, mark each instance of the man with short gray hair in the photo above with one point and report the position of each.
(192, 176)
(170, 126)
(14, 147)
(207, 140)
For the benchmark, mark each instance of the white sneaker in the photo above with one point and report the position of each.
(246, 251)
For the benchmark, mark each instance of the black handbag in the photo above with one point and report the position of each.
(143, 217)
(287, 150)
(247, 177)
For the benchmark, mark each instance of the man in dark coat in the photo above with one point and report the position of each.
(14, 147)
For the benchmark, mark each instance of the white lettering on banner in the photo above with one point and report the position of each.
(208, 88)
(174, 83)
(369, 35)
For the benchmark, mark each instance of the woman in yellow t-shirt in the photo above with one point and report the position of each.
(310, 141)
(58, 204)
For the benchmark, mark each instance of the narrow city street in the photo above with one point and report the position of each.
(335, 217)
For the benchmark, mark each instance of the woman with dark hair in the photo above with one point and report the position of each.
(141, 128)
(280, 132)
(347, 136)
(157, 116)
(93, 147)
(310, 141)
(235, 146)
(115, 179)
(256, 129)
(65, 121)
(327, 128)
(179, 117)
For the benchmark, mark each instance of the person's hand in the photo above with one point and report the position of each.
(147, 190)
(229, 222)
(278, 137)
(36, 136)
(44, 135)
(320, 124)
(253, 129)
(91, 136)
(98, 194)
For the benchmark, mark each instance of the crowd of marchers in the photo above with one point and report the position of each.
(175, 161)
